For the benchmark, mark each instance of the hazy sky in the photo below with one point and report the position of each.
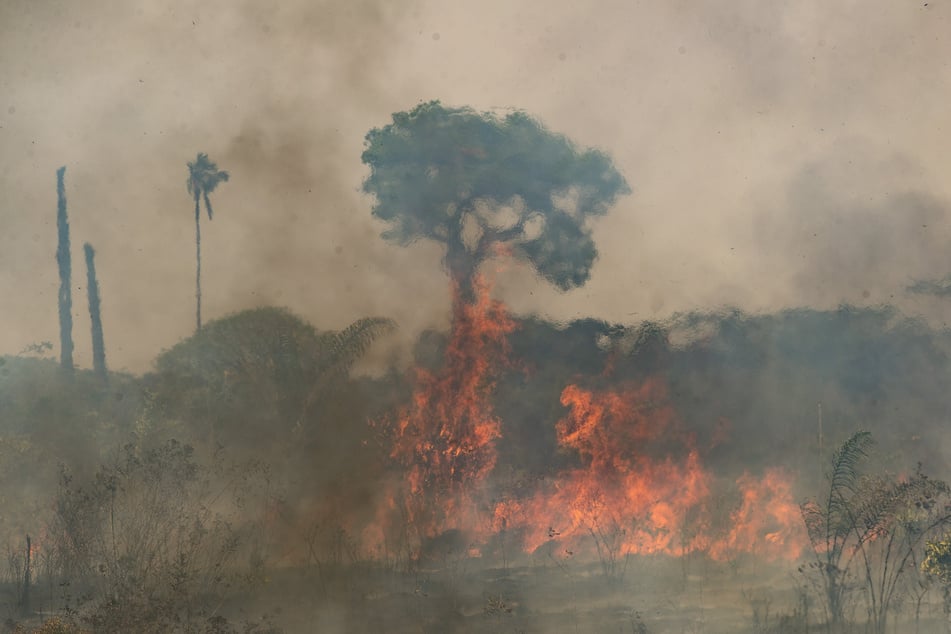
(780, 153)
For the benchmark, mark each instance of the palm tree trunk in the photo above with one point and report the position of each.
(65, 274)
(198, 267)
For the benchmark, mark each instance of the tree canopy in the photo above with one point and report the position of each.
(478, 182)
(258, 371)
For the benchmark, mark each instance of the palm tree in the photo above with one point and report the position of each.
(203, 178)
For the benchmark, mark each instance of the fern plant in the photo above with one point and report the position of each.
(870, 529)
(829, 523)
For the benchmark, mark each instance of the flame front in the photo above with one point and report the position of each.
(638, 485)
(642, 488)
(621, 492)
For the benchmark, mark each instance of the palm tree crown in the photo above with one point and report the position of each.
(203, 178)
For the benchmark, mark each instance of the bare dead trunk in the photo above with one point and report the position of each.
(64, 263)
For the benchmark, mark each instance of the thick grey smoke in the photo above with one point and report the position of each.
(726, 120)
(847, 230)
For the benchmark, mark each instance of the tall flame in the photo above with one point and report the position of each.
(445, 438)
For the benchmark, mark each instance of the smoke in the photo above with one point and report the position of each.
(780, 156)
(712, 113)
(847, 231)
(126, 97)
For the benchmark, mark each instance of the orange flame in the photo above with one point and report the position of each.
(445, 438)
(620, 494)
(639, 485)
(767, 523)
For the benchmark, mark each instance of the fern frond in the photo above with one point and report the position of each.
(845, 462)
(338, 351)
(341, 349)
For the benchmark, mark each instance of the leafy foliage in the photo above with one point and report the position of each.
(830, 523)
(869, 527)
(843, 481)
(937, 561)
(937, 565)
(476, 181)
(256, 375)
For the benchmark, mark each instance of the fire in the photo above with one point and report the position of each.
(621, 492)
(35, 545)
(445, 439)
(642, 488)
(767, 522)
(638, 485)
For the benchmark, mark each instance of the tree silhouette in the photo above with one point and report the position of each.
(480, 183)
(870, 529)
(260, 371)
(95, 313)
(64, 262)
(203, 177)
(830, 522)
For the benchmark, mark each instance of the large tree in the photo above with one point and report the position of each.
(203, 178)
(480, 183)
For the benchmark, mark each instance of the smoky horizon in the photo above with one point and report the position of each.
(778, 157)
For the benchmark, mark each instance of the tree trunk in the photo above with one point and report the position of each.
(463, 267)
(198, 265)
(463, 292)
(65, 273)
(95, 315)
